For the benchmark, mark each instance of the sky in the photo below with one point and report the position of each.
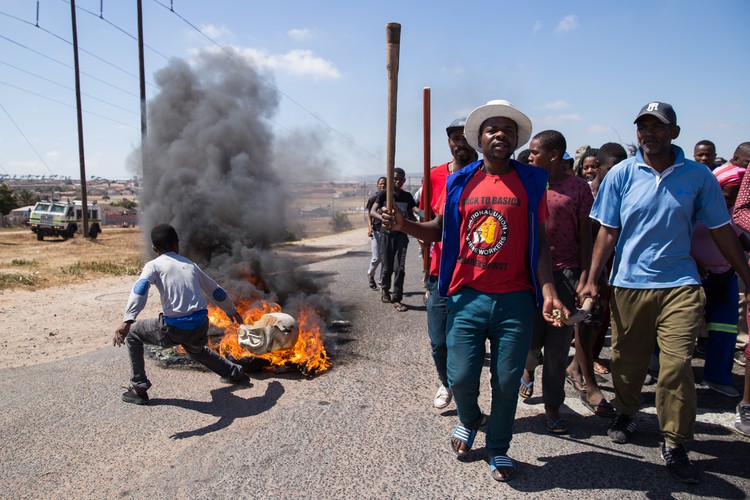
(584, 68)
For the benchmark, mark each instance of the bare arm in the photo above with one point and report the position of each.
(426, 231)
(121, 332)
(547, 282)
(374, 211)
(603, 248)
(369, 223)
(585, 246)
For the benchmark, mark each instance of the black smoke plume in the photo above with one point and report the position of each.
(209, 170)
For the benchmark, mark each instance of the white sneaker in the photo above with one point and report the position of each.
(443, 397)
(725, 390)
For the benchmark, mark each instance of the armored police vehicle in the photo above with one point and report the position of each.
(62, 219)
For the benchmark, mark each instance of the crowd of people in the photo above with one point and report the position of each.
(656, 240)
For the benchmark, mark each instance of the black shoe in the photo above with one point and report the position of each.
(243, 380)
(679, 464)
(622, 429)
(373, 285)
(385, 296)
(135, 396)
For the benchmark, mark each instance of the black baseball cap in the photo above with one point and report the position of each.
(663, 111)
(457, 123)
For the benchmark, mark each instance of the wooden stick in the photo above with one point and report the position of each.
(392, 47)
(426, 184)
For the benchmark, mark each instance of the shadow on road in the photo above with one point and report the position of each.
(622, 467)
(226, 405)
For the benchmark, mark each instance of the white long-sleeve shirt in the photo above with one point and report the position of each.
(183, 288)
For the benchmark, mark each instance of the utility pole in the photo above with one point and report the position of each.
(141, 68)
(81, 156)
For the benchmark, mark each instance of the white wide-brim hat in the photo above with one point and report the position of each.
(496, 108)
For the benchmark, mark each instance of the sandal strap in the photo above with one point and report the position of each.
(501, 461)
(464, 434)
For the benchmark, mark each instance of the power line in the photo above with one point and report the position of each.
(233, 56)
(231, 53)
(27, 140)
(62, 39)
(66, 65)
(67, 88)
(101, 17)
(92, 54)
(65, 104)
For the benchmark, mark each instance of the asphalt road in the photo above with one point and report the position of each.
(365, 429)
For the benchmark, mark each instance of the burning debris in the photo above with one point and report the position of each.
(306, 353)
(211, 170)
(272, 332)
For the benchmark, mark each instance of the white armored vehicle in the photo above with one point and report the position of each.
(60, 218)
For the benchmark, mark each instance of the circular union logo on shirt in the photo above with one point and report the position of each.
(486, 231)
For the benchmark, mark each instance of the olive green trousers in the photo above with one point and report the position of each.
(670, 319)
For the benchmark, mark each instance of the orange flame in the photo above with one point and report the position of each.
(308, 354)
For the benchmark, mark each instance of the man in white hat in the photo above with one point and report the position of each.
(495, 270)
(647, 207)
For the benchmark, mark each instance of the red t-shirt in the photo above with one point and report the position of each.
(438, 178)
(568, 200)
(494, 235)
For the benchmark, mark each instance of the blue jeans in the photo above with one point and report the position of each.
(437, 318)
(375, 251)
(506, 320)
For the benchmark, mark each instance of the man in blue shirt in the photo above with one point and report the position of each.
(647, 206)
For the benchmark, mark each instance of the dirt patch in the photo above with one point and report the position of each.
(26, 263)
(60, 322)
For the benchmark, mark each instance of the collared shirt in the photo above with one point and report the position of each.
(655, 214)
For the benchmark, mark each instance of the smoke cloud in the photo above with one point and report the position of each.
(211, 172)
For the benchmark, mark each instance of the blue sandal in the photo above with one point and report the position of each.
(463, 435)
(526, 389)
(503, 465)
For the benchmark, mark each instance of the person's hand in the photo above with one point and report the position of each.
(554, 311)
(237, 318)
(590, 289)
(393, 219)
(121, 333)
(369, 233)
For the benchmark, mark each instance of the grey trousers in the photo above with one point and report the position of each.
(555, 341)
(157, 332)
